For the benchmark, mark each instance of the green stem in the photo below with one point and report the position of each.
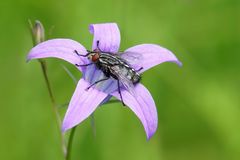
(69, 147)
(38, 36)
(72, 132)
(54, 106)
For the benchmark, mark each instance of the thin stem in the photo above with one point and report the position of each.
(54, 106)
(69, 147)
(72, 132)
(70, 74)
(38, 35)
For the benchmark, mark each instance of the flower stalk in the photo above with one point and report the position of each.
(38, 36)
(70, 140)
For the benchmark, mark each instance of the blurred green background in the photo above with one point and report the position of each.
(198, 104)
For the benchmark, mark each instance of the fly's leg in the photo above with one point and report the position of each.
(104, 79)
(119, 91)
(139, 69)
(98, 48)
(83, 65)
(75, 51)
(82, 55)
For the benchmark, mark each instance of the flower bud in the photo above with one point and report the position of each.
(38, 32)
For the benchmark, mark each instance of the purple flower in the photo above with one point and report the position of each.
(84, 102)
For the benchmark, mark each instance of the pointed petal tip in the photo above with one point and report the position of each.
(143, 106)
(28, 59)
(64, 128)
(149, 135)
(179, 63)
(67, 125)
(148, 51)
(151, 131)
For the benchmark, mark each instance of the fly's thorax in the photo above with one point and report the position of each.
(109, 59)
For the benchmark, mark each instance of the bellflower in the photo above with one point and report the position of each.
(84, 102)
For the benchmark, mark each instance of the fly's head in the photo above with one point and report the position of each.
(93, 56)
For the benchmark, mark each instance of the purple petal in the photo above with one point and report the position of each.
(143, 106)
(108, 36)
(82, 104)
(59, 48)
(152, 55)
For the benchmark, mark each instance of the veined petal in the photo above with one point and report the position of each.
(59, 48)
(152, 55)
(143, 106)
(82, 104)
(108, 36)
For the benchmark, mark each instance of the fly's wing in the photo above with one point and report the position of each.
(121, 75)
(132, 58)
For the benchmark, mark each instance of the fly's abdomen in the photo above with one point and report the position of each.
(118, 68)
(130, 73)
(136, 78)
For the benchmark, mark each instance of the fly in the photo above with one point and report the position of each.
(113, 66)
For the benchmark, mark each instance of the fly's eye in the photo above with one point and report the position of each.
(90, 56)
(95, 57)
